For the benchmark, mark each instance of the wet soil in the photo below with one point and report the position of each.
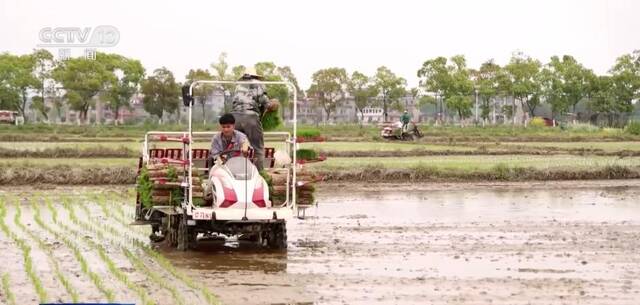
(570, 242)
(513, 243)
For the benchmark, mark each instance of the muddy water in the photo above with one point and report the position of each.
(535, 243)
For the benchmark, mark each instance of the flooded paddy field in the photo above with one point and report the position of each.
(571, 242)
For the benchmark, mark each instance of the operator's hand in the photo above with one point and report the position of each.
(220, 160)
(245, 148)
(273, 105)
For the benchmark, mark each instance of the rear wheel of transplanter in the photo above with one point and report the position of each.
(275, 235)
(171, 230)
(186, 235)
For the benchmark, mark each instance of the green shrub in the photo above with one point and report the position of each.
(501, 171)
(537, 122)
(633, 128)
(611, 131)
(309, 133)
(306, 154)
(583, 127)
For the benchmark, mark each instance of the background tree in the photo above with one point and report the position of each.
(414, 94)
(56, 96)
(522, 82)
(202, 91)
(83, 79)
(287, 75)
(604, 100)
(487, 82)
(220, 72)
(363, 90)
(426, 103)
(391, 87)
(18, 79)
(9, 94)
(43, 65)
(327, 88)
(435, 78)
(265, 68)
(128, 75)
(451, 81)
(161, 93)
(237, 71)
(269, 72)
(551, 91)
(625, 77)
(460, 98)
(575, 81)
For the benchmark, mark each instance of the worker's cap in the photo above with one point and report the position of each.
(250, 73)
(406, 111)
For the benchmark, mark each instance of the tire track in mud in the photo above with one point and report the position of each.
(164, 266)
(47, 249)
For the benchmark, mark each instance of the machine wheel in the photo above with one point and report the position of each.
(171, 231)
(186, 237)
(154, 237)
(277, 236)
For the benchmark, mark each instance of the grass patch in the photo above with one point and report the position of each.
(464, 162)
(476, 162)
(45, 132)
(59, 152)
(604, 146)
(75, 163)
(498, 172)
(633, 128)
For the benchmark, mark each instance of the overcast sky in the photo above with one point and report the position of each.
(356, 35)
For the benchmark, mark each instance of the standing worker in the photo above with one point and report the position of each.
(405, 119)
(249, 105)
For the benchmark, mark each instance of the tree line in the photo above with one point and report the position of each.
(561, 83)
(114, 79)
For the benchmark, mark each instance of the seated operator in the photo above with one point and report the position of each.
(229, 142)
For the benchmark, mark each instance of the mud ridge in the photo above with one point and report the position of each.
(67, 175)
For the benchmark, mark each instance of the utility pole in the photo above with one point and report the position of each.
(476, 91)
